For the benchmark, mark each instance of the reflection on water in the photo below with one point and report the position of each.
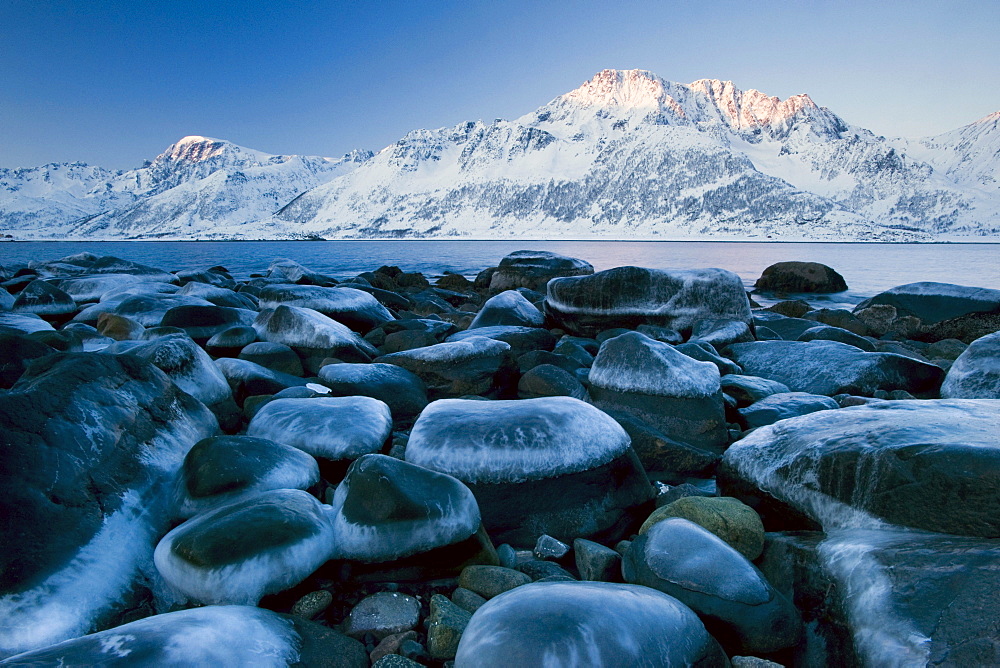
(868, 268)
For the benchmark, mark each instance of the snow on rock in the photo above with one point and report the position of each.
(514, 441)
(633, 362)
(508, 308)
(333, 428)
(356, 309)
(388, 509)
(244, 550)
(313, 335)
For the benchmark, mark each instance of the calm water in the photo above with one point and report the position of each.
(868, 268)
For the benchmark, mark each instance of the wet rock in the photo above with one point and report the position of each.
(785, 277)
(247, 379)
(508, 308)
(546, 380)
(90, 446)
(632, 296)
(553, 465)
(608, 624)
(535, 358)
(358, 310)
(976, 372)
(669, 390)
(408, 339)
(242, 551)
(791, 308)
(661, 456)
(275, 356)
(312, 335)
(490, 581)
(837, 318)
(387, 509)
(534, 269)
(726, 517)
(445, 626)
(789, 329)
(734, 600)
(830, 367)
(596, 562)
(383, 614)
(401, 390)
(455, 368)
(224, 469)
(46, 301)
(16, 352)
(201, 323)
(229, 342)
(929, 465)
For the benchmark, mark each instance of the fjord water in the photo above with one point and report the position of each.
(868, 268)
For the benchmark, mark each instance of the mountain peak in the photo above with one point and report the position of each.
(195, 148)
(631, 89)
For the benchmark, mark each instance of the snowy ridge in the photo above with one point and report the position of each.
(626, 155)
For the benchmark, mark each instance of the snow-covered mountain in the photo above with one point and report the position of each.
(626, 155)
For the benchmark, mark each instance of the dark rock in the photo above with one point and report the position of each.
(383, 614)
(445, 626)
(671, 336)
(976, 372)
(535, 358)
(827, 333)
(750, 389)
(706, 353)
(247, 379)
(229, 342)
(520, 339)
(203, 322)
(785, 277)
(935, 302)
(728, 518)
(275, 356)
(595, 562)
(408, 339)
(358, 310)
(401, 390)
(119, 328)
(490, 581)
(547, 547)
(546, 380)
(534, 269)
(784, 405)
(662, 456)
(789, 329)
(791, 308)
(632, 296)
(16, 352)
(472, 366)
(46, 301)
(838, 318)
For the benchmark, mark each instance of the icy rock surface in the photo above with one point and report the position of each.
(508, 308)
(932, 465)
(225, 469)
(355, 309)
(634, 362)
(249, 378)
(44, 299)
(513, 441)
(632, 296)
(92, 444)
(732, 597)
(586, 624)
(934, 302)
(333, 428)
(229, 635)
(401, 390)
(454, 368)
(147, 310)
(24, 322)
(92, 288)
(831, 367)
(533, 269)
(976, 372)
(387, 509)
(244, 550)
(784, 405)
(312, 331)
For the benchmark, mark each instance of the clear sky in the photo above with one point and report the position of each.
(113, 83)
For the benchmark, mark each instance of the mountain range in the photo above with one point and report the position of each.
(626, 155)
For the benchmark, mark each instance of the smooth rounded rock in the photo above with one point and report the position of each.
(586, 624)
(508, 308)
(726, 517)
(383, 614)
(313, 335)
(401, 390)
(534, 269)
(787, 277)
(275, 356)
(976, 372)
(356, 309)
(454, 369)
(784, 405)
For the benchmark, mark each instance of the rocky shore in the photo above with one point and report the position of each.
(541, 466)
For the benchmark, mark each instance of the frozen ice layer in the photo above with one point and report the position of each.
(634, 362)
(512, 441)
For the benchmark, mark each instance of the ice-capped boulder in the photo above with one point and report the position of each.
(401, 390)
(508, 308)
(224, 469)
(786, 277)
(91, 288)
(214, 277)
(24, 322)
(247, 379)
(734, 600)
(586, 624)
(91, 446)
(242, 551)
(388, 509)
(291, 271)
(649, 379)
(831, 367)
(356, 309)
(45, 300)
(472, 366)
(218, 635)
(146, 309)
(632, 296)
(521, 340)
(329, 428)
(932, 465)
(312, 335)
(976, 372)
(219, 296)
(552, 465)
(533, 269)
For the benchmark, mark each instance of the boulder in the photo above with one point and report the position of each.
(387, 509)
(229, 342)
(356, 309)
(730, 519)
(546, 380)
(508, 308)
(241, 551)
(784, 405)
(224, 469)
(750, 389)
(275, 356)
(672, 392)
(45, 300)
(976, 372)
(661, 456)
(831, 367)
(219, 296)
(312, 335)
(586, 623)
(201, 323)
(383, 614)
(785, 277)
(731, 596)
(401, 390)
(147, 310)
(91, 445)
(828, 333)
(16, 352)
(632, 296)
(475, 365)
(92, 288)
(935, 302)
(789, 329)
(552, 465)
(247, 379)
(533, 270)
(931, 465)
(521, 339)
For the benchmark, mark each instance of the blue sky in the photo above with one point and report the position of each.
(113, 83)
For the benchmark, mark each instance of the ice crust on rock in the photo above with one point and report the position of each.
(24, 322)
(326, 427)
(244, 550)
(453, 351)
(514, 441)
(586, 624)
(976, 372)
(508, 308)
(387, 509)
(303, 327)
(356, 309)
(633, 362)
(226, 635)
